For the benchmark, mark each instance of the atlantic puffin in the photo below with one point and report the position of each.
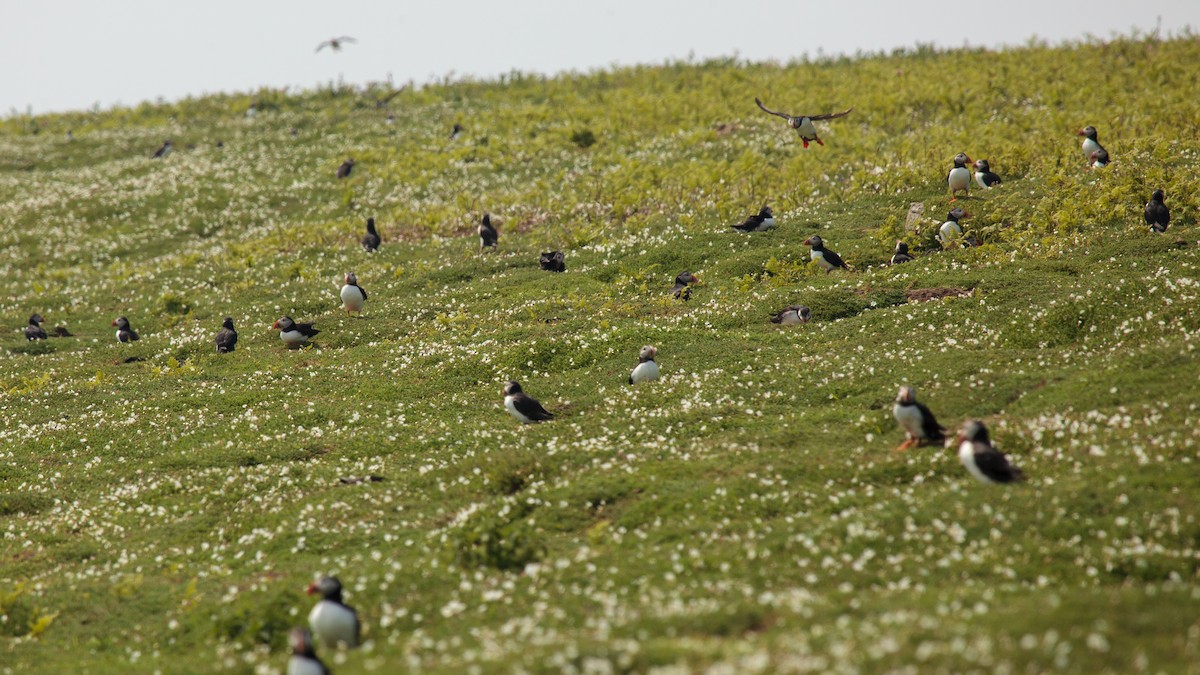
(553, 261)
(792, 315)
(371, 240)
(294, 334)
(34, 330)
(353, 295)
(1156, 214)
(951, 230)
(901, 254)
(984, 176)
(981, 460)
(335, 44)
(332, 621)
(303, 660)
(226, 338)
(828, 260)
(681, 290)
(456, 131)
(759, 222)
(346, 167)
(1099, 159)
(523, 406)
(959, 178)
(163, 150)
(1091, 144)
(488, 236)
(647, 368)
(919, 424)
(803, 124)
(124, 332)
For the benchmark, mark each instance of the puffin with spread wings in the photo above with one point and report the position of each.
(803, 124)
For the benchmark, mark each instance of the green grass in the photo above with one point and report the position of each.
(163, 507)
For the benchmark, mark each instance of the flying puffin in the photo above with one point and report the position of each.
(294, 334)
(371, 240)
(951, 229)
(163, 150)
(1091, 144)
(983, 461)
(303, 660)
(488, 236)
(901, 255)
(1099, 159)
(523, 406)
(34, 330)
(1156, 214)
(828, 260)
(124, 332)
(959, 177)
(553, 261)
(920, 426)
(792, 315)
(803, 124)
(346, 167)
(647, 367)
(353, 296)
(759, 222)
(681, 290)
(226, 337)
(333, 622)
(335, 44)
(983, 174)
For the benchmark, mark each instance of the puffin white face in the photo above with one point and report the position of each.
(906, 395)
(351, 280)
(648, 353)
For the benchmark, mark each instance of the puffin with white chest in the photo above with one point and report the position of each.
(919, 424)
(803, 124)
(981, 459)
(34, 330)
(959, 178)
(303, 660)
(759, 222)
(647, 368)
(124, 332)
(332, 621)
(1157, 216)
(951, 230)
(523, 406)
(901, 255)
(682, 288)
(353, 296)
(792, 315)
(984, 176)
(294, 334)
(828, 260)
(1091, 144)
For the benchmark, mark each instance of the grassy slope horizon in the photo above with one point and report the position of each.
(163, 507)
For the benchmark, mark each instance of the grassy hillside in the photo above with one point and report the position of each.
(163, 507)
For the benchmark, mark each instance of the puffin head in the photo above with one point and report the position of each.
(284, 323)
(1158, 196)
(301, 642)
(814, 241)
(512, 388)
(227, 323)
(371, 225)
(974, 431)
(982, 165)
(901, 247)
(36, 319)
(647, 354)
(1087, 132)
(956, 214)
(351, 280)
(906, 396)
(686, 278)
(121, 323)
(329, 588)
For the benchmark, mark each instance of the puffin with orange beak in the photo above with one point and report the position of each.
(919, 424)
(294, 334)
(959, 178)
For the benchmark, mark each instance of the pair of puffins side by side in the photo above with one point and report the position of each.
(975, 450)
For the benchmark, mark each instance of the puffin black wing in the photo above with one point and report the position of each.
(226, 340)
(529, 407)
(834, 259)
(1157, 216)
(306, 329)
(767, 110)
(830, 116)
(993, 464)
(989, 179)
(35, 332)
(929, 424)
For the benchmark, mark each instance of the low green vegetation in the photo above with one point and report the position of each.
(163, 507)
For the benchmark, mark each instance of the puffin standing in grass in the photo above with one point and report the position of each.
(828, 260)
(759, 222)
(984, 176)
(163, 150)
(792, 315)
(901, 254)
(523, 406)
(647, 368)
(346, 167)
(681, 290)
(371, 240)
(981, 460)
(456, 131)
(1091, 144)
(553, 261)
(951, 230)
(226, 338)
(1099, 159)
(332, 621)
(919, 424)
(959, 178)
(294, 334)
(803, 124)
(303, 660)
(34, 330)
(488, 236)
(353, 295)
(124, 332)
(1156, 214)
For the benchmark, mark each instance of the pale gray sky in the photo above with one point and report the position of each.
(71, 54)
